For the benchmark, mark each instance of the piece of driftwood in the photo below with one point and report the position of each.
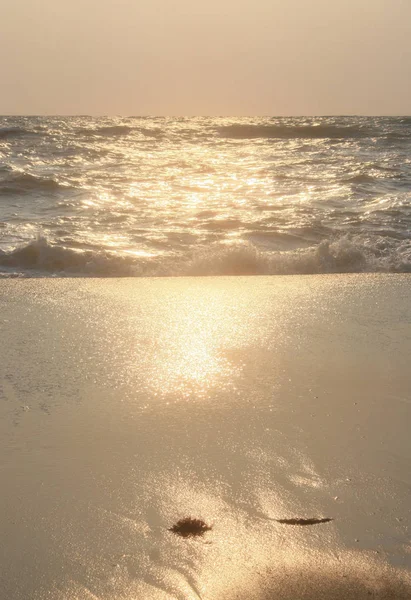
(189, 527)
(303, 521)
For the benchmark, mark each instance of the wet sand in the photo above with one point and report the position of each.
(248, 403)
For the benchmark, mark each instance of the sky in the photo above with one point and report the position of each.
(219, 57)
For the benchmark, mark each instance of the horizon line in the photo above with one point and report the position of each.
(200, 116)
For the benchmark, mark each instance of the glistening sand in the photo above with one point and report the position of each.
(129, 404)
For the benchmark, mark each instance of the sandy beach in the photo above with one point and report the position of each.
(129, 404)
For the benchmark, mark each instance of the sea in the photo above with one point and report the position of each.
(161, 196)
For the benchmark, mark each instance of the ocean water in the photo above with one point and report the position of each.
(84, 196)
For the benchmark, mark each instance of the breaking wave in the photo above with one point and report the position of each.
(343, 255)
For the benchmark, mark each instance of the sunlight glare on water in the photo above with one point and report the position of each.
(153, 196)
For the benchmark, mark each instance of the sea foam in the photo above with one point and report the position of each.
(343, 255)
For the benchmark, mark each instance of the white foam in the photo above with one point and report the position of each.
(347, 254)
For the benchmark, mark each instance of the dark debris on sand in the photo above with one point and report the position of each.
(189, 527)
(303, 521)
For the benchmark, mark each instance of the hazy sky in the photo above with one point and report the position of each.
(214, 57)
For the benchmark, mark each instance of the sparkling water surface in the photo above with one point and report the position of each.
(197, 196)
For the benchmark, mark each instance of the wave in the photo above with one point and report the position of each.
(107, 131)
(40, 255)
(343, 255)
(120, 130)
(23, 183)
(151, 132)
(361, 178)
(12, 132)
(243, 132)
